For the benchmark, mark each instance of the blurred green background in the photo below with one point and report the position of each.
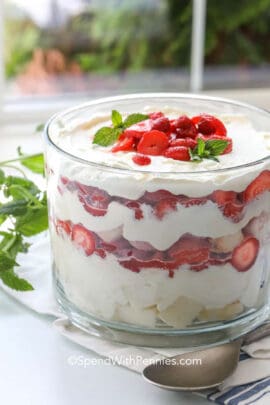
(133, 35)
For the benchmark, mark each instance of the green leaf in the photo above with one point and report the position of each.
(6, 262)
(2, 176)
(17, 207)
(200, 147)
(106, 136)
(35, 163)
(11, 280)
(33, 222)
(216, 146)
(40, 127)
(28, 185)
(134, 119)
(117, 119)
(13, 243)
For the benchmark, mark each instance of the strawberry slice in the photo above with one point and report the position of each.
(184, 127)
(177, 153)
(161, 124)
(190, 250)
(155, 115)
(209, 125)
(221, 197)
(245, 254)
(83, 238)
(96, 203)
(257, 186)
(153, 143)
(187, 142)
(63, 227)
(156, 196)
(165, 206)
(141, 160)
(125, 144)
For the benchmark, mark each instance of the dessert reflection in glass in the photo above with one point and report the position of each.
(159, 214)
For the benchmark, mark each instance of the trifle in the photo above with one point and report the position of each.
(159, 211)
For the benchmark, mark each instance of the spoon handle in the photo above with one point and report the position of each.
(258, 333)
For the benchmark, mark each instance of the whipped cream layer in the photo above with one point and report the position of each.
(204, 220)
(103, 288)
(249, 145)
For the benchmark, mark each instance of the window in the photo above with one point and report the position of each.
(57, 51)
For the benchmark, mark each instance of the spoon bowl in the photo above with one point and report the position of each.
(195, 371)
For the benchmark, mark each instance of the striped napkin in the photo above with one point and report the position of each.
(249, 384)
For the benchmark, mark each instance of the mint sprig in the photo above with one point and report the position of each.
(106, 136)
(208, 149)
(23, 207)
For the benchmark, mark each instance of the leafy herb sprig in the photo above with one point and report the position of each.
(106, 136)
(208, 149)
(23, 211)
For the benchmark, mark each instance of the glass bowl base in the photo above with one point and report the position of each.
(195, 336)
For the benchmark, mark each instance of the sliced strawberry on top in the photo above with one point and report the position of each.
(245, 254)
(257, 186)
(187, 142)
(141, 160)
(161, 124)
(177, 153)
(184, 127)
(165, 206)
(153, 143)
(125, 144)
(190, 250)
(83, 238)
(209, 125)
(155, 115)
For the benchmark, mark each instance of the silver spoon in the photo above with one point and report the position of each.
(211, 368)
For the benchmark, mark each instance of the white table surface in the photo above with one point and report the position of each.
(34, 367)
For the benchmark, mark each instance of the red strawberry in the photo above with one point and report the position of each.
(63, 227)
(153, 143)
(141, 160)
(188, 142)
(161, 124)
(155, 115)
(245, 254)
(190, 250)
(221, 197)
(209, 125)
(233, 210)
(156, 196)
(177, 153)
(184, 127)
(83, 238)
(125, 144)
(257, 186)
(165, 206)
(96, 203)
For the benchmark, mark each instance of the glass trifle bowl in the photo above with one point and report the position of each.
(160, 231)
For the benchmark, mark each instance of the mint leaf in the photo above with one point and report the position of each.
(35, 163)
(11, 280)
(2, 176)
(134, 119)
(16, 192)
(201, 146)
(40, 127)
(117, 119)
(106, 136)
(17, 207)
(216, 146)
(33, 222)
(6, 262)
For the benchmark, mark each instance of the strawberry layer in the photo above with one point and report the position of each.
(101, 286)
(196, 253)
(119, 219)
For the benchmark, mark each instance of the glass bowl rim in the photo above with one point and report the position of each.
(124, 97)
